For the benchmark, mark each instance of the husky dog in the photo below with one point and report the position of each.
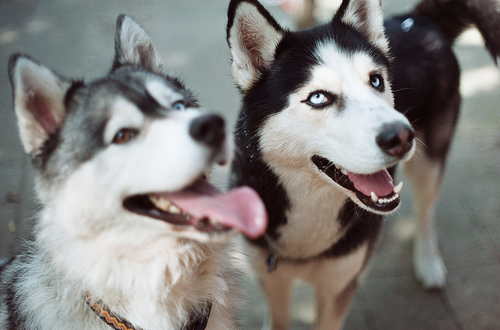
(318, 137)
(131, 234)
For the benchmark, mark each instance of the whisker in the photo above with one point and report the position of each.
(403, 89)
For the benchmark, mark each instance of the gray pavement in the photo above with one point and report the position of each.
(75, 38)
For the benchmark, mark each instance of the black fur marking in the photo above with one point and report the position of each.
(346, 214)
(132, 87)
(15, 320)
(41, 159)
(352, 41)
(254, 173)
(71, 92)
(364, 226)
(341, 11)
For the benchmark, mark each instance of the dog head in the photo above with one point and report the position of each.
(320, 100)
(127, 153)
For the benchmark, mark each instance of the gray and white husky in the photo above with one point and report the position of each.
(131, 235)
(318, 136)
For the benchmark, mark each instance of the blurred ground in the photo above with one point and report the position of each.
(75, 38)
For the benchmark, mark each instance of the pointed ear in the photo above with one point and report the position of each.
(365, 16)
(134, 46)
(252, 35)
(38, 96)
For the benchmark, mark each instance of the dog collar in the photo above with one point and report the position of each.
(272, 263)
(197, 323)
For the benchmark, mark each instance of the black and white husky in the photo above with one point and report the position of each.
(131, 234)
(318, 137)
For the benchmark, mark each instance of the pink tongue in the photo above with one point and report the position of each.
(240, 208)
(380, 183)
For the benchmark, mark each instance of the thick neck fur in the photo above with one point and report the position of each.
(156, 283)
(314, 213)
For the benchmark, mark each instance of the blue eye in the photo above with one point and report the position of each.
(179, 106)
(317, 98)
(320, 99)
(377, 81)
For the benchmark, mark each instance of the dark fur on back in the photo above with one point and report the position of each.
(453, 17)
(425, 78)
(426, 72)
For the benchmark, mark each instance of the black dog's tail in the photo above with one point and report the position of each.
(455, 16)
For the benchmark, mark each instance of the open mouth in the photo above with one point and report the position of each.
(376, 191)
(206, 209)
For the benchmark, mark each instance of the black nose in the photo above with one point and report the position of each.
(396, 139)
(208, 129)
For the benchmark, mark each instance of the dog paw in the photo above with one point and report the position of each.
(429, 266)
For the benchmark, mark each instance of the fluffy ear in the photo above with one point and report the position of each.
(252, 35)
(365, 16)
(134, 46)
(38, 96)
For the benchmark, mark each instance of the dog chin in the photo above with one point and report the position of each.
(364, 206)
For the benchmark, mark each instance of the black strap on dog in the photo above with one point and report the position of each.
(198, 322)
(272, 263)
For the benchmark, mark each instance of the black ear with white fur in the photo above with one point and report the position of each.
(134, 46)
(38, 96)
(365, 16)
(252, 35)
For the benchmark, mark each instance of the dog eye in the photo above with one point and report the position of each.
(124, 135)
(317, 98)
(320, 99)
(179, 106)
(377, 81)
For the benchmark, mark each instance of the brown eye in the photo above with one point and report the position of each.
(124, 135)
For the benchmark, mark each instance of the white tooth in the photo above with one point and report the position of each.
(165, 205)
(344, 171)
(174, 209)
(374, 197)
(398, 188)
(160, 203)
(216, 225)
(155, 200)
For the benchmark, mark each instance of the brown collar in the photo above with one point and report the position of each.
(198, 322)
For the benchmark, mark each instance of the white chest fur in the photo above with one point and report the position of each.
(312, 224)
